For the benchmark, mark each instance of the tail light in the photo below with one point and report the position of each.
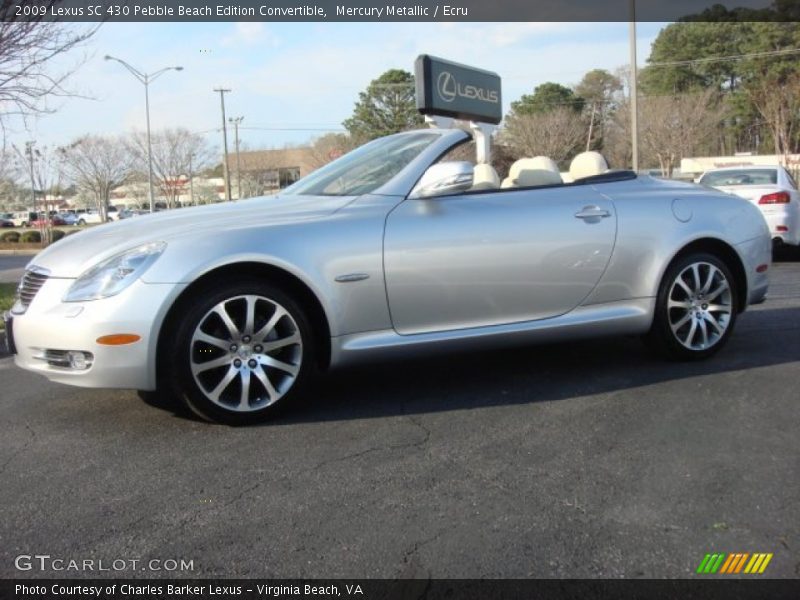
(776, 198)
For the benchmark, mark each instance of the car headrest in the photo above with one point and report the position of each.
(587, 164)
(485, 178)
(530, 172)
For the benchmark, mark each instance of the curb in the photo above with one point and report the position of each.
(23, 252)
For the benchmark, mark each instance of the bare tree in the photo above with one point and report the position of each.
(27, 48)
(97, 165)
(673, 127)
(177, 155)
(556, 133)
(329, 147)
(778, 102)
(42, 167)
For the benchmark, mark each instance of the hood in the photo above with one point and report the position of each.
(72, 255)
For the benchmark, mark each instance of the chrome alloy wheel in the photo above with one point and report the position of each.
(245, 353)
(699, 306)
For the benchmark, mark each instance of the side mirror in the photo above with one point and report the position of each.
(443, 179)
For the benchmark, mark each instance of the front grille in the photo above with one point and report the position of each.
(31, 283)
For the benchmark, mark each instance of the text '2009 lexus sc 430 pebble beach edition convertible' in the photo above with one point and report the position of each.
(389, 251)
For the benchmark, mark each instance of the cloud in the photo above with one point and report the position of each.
(312, 76)
(250, 33)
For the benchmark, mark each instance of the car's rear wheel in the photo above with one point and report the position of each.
(695, 308)
(81, 222)
(245, 349)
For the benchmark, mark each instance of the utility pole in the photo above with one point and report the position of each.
(191, 179)
(225, 173)
(236, 121)
(634, 91)
(29, 151)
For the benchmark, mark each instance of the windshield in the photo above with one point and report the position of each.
(740, 177)
(365, 169)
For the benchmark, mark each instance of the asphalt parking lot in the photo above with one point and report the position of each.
(578, 460)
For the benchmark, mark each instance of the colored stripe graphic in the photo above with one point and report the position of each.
(740, 564)
(764, 564)
(735, 562)
(727, 563)
(702, 567)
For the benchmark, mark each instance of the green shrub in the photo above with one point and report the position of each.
(56, 235)
(10, 237)
(31, 237)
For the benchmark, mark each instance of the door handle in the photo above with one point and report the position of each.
(592, 212)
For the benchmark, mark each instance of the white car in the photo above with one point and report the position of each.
(88, 216)
(772, 188)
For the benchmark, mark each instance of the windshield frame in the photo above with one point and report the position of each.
(401, 183)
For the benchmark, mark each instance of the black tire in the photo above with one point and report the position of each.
(248, 361)
(81, 222)
(697, 337)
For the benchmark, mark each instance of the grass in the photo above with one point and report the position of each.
(7, 291)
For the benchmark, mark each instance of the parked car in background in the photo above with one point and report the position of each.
(386, 252)
(112, 213)
(88, 216)
(5, 220)
(127, 213)
(24, 219)
(69, 218)
(771, 188)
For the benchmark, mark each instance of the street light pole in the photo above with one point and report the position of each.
(225, 173)
(146, 79)
(236, 121)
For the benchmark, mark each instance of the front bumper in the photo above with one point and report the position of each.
(52, 325)
(755, 253)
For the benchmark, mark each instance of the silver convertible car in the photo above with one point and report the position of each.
(390, 251)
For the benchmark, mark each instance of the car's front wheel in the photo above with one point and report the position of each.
(244, 349)
(695, 308)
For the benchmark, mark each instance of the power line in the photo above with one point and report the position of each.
(678, 63)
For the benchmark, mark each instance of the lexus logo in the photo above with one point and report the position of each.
(446, 86)
(449, 89)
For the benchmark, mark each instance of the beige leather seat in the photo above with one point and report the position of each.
(587, 164)
(485, 178)
(531, 172)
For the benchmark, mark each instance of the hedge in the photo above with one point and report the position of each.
(31, 237)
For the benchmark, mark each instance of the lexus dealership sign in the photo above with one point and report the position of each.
(450, 89)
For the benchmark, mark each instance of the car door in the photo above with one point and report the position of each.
(492, 258)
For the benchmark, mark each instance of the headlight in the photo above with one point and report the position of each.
(112, 276)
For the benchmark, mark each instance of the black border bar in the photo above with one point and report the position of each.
(698, 588)
(398, 11)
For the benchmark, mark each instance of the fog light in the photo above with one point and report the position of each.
(79, 360)
(66, 359)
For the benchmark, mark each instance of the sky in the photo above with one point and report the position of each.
(294, 81)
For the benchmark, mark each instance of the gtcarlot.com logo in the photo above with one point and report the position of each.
(735, 563)
(46, 562)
